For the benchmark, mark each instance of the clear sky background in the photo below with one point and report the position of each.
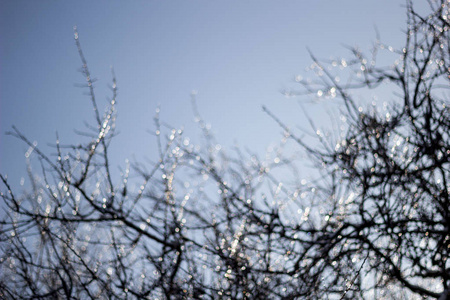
(238, 55)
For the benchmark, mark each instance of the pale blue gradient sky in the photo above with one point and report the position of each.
(238, 55)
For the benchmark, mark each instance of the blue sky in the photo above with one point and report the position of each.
(237, 55)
